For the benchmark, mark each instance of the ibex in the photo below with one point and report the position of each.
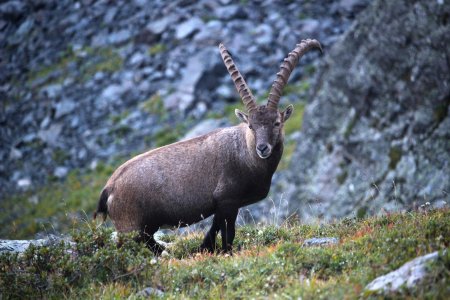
(216, 173)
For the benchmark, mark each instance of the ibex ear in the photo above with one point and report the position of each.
(287, 112)
(241, 116)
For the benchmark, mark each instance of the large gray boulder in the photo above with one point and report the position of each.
(376, 136)
(408, 275)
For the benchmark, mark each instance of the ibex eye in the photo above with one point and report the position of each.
(276, 124)
(250, 126)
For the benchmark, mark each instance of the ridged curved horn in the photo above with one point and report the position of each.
(286, 69)
(241, 86)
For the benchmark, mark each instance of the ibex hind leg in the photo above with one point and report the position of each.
(146, 236)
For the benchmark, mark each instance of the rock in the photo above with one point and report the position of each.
(25, 27)
(150, 292)
(61, 172)
(110, 14)
(202, 74)
(205, 126)
(188, 28)
(51, 135)
(137, 59)
(24, 183)
(225, 92)
(310, 26)
(20, 246)
(263, 34)
(366, 138)
(64, 107)
(230, 12)
(12, 10)
(159, 26)
(110, 94)
(52, 90)
(409, 275)
(120, 36)
(322, 241)
(15, 154)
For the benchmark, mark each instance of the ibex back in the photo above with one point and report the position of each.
(217, 173)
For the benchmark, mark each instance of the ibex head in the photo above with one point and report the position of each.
(266, 121)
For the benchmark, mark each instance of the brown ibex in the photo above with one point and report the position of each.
(216, 173)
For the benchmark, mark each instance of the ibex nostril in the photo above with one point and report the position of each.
(262, 147)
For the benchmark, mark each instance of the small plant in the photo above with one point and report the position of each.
(157, 48)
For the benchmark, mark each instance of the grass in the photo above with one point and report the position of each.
(60, 206)
(157, 48)
(269, 262)
(87, 60)
(296, 120)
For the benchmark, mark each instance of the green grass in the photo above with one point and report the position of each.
(60, 206)
(157, 48)
(268, 262)
(296, 120)
(87, 60)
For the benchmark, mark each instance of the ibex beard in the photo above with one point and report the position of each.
(213, 174)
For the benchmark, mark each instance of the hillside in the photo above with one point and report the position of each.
(269, 262)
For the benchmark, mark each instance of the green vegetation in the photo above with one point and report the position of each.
(157, 48)
(87, 60)
(296, 120)
(395, 154)
(269, 262)
(155, 106)
(297, 88)
(168, 135)
(289, 148)
(59, 206)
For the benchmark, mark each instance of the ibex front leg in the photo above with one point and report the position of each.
(228, 229)
(209, 242)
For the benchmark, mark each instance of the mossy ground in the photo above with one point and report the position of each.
(269, 262)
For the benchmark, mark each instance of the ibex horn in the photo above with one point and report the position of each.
(241, 86)
(286, 68)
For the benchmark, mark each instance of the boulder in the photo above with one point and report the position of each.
(375, 136)
(409, 275)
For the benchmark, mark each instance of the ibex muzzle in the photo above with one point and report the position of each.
(217, 173)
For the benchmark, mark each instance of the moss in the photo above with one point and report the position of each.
(350, 127)
(289, 149)
(116, 119)
(60, 156)
(168, 135)
(157, 48)
(361, 212)
(155, 106)
(395, 154)
(295, 122)
(298, 88)
(440, 112)
(88, 61)
(342, 177)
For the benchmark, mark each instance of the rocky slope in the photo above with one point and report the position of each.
(88, 81)
(376, 137)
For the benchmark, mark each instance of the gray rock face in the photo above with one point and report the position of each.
(376, 135)
(72, 89)
(408, 275)
(205, 127)
(20, 246)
